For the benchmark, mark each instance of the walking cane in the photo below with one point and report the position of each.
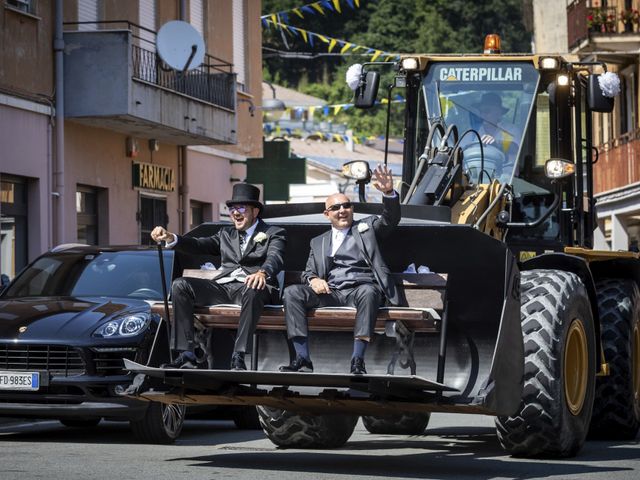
(164, 293)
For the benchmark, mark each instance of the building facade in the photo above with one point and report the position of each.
(102, 137)
(606, 31)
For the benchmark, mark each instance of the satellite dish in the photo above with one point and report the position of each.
(180, 45)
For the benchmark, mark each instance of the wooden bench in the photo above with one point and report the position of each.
(424, 292)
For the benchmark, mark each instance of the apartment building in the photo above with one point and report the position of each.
(606, 31)
(101, 138)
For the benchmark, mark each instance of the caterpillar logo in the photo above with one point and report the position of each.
(481, 74)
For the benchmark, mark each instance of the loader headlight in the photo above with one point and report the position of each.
(410, 63)
(563, 80)
(357, 170)
(559, 168)
(126, 326)
(549, 63)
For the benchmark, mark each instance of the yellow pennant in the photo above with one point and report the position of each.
(332, 44)
(304, 35)
(376, 55)
(346, 47)
(318, 7)
(312, 110)
(298, 12)
(336, 4)
(357, 3)
(323, 38)
(336, 109)
(274, 20)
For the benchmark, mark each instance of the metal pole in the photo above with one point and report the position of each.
(58, 173)
(165, 295)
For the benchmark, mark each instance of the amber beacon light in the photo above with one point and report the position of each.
(492, 43)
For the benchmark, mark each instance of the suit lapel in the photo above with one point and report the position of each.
(359, 240)
(251, 243)
(325, 252)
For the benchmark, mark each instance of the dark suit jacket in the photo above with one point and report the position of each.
(366, 233)
(267, 255)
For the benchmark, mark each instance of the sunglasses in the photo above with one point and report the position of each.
(238, 208)
(337, 206)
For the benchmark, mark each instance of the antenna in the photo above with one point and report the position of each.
(180, 45)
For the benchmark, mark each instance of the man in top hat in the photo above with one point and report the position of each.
(251, 256)
(345, 267)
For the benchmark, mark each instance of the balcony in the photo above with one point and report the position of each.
(605, 30)
(618, 163)
(114, 80)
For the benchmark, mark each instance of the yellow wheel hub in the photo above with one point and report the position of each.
(576, 364)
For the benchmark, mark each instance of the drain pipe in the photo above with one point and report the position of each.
(183, 188)
(58, 171)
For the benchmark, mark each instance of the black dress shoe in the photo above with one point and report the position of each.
(357, 366)
(184, 360)
(300, 364)
(237, 362)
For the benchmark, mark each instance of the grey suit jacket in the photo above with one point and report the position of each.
(366, 233)
(267, 255)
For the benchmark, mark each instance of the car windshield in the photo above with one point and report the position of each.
(492, 98)
(134, 274)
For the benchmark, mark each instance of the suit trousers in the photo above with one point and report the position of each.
(366, 298)
(187, 293)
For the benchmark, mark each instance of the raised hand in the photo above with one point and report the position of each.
(158, 234)
(383, 179)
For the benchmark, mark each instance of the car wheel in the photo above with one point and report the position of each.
(295, 430)
(162, 423)
(246, 418)
(80, 422)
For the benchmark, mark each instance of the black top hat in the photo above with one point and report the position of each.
(491, 100)
(245, 194)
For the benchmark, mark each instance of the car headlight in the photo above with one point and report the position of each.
(126, 326)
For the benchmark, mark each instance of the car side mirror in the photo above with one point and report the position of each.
(367, 91)
(595, 99)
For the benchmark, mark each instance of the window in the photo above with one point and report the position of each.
(87, 212)
(196, 16)
(26, 6)
(88, 12)
(239, 46)
(13, 225)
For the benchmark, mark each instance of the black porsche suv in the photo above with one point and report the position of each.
(67, 321)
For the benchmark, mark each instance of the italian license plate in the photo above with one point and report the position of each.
(19, 380)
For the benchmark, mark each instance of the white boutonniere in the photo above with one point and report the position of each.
(260, 237)
(363, 227)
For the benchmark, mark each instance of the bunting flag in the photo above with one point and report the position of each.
(316, 8)
(344, 46)
(331, 110)
(288, 133)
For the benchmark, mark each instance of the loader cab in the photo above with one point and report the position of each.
(512, 116)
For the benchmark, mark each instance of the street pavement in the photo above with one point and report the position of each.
(453, 447)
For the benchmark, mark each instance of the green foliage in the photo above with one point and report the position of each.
(400, 26)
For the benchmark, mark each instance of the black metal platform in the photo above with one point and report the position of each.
(214, 379)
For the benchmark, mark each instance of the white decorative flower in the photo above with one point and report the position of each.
(609, 84)
(353, 76)
(260, 237)
(363, 227)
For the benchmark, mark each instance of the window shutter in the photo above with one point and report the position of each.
(239, 41)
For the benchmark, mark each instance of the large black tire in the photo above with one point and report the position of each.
(246, 418)
(293, 430)
(399, 424)
(80, 422)
(161, 424)
(559, 374)
(616, 411)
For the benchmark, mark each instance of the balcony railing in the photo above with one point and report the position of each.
(213, 81)
(587, 17)
(618, 163)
